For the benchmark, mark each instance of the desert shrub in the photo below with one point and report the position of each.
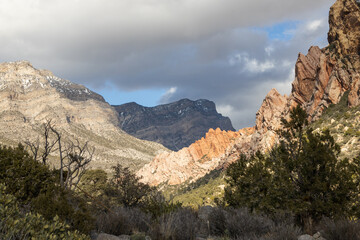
(123, 221)
(67, 206)
(138, 236)
(283, 232)
(34, 185)
(15, 224)
(125, 188)
(93, 181)
(217, 221)
(178, 225)
(25, 178)
(340, 229)
(241, 223)
(156, 204)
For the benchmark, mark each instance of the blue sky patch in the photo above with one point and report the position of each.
(283, 31)
(117, 96)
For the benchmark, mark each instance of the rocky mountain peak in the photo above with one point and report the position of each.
(22, 77)
(29, 97)
(175, 125)
(344, 22)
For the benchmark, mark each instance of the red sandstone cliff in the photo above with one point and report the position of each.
(321, 78)
(192, 162)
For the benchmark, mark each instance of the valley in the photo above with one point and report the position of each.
(72, 166)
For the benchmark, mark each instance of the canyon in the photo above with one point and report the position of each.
(322, 77)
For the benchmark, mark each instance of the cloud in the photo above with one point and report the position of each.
(314, 25)
(168, 94)
(219, 50)
(251, 64)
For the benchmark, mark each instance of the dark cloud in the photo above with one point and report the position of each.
(211, 49)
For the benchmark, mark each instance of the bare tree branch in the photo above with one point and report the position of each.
(74, 157)
(77, 159)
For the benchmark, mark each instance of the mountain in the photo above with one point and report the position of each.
(322, 78)
(175, 125)
(343, 123)
(29, 97)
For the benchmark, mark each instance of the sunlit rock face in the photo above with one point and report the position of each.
(322, 76)
(30, 97)
(192, 162)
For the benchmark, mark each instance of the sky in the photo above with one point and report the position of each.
(155, 52)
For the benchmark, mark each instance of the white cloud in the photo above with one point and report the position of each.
(252, 65)
(314, 25)
(225, 110)
(168, 94)
(269, 50)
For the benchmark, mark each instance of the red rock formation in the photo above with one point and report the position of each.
(269, 115)
(192, 162)
(321, 78)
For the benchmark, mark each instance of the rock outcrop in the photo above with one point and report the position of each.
(321, 78)
(192, 162)
(175, 125)
(269, 114)
(30, 97)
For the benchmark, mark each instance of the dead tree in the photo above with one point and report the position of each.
(49, 144)
(77, 158)
(60, 151)
(73, 156)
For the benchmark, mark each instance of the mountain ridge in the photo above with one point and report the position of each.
(29, 97)
(175, 125)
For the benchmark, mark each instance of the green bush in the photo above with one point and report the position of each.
(156, 204)
(125, 189)
(14, 224)
(302, 174)
(25, 177)
(34, 185)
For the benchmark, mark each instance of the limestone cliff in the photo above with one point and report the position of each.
(321, 78)
(29, 97)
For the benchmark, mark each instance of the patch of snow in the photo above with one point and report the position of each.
(26, 83)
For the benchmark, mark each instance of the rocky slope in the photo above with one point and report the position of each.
(322, 77)
(175, 125)
(29, 97)
(191, 162)
(343, 123)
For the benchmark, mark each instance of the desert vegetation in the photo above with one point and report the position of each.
(300, 186)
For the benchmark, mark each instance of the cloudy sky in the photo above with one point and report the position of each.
(158, 51)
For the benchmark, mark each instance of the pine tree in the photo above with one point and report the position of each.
(301, 174)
